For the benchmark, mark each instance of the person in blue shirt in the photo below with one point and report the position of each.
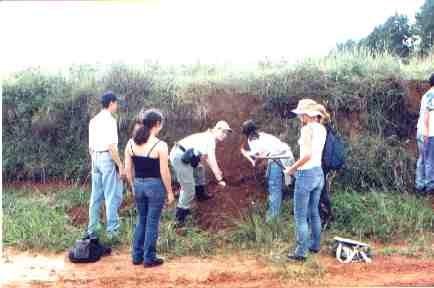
(425, 142)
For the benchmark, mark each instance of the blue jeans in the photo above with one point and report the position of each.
(307, 192)
(150, 196)
(274, 181)
(105, 185)
(425, 164)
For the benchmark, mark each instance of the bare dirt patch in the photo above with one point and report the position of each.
(53, 270)
(384, 271)
(244, 183)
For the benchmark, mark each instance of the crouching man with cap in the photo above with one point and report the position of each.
(187, 157)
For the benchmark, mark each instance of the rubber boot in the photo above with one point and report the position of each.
(201, 194)
(180, 216)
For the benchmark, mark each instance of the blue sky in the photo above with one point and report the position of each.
(56, 34)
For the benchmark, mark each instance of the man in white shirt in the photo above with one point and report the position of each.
(106, 180)
(185, 158)
(425, 142)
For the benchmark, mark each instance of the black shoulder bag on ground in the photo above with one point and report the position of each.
(88, 250)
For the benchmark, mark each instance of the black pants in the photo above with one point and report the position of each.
(325, 205)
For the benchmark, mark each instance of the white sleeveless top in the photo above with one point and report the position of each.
(314, 134)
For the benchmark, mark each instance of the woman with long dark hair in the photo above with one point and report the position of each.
(147, 170)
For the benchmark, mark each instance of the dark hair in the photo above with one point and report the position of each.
(431, 80)
(249, 129)
(150, 119)
(107, 98)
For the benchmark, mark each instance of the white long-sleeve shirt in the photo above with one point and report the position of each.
(267, 145)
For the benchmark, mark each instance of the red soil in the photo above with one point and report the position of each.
(415, 91)
(243, 186)
(29, 270)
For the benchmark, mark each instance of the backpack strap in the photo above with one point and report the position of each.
(180, 147)
(131, 147)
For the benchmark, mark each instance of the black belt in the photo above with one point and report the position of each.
(102, 151)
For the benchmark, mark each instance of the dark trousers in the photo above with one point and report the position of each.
(325, 205)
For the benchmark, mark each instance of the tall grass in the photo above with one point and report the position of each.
(374, 161)
(383, 216)
(39, 220)
(360, 63)
(388, 217)
(34, 223)
(419, 68)
(253, 232)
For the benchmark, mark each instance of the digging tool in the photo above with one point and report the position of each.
(276, 159)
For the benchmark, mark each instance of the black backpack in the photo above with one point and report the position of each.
(333, 157)
(88, 250)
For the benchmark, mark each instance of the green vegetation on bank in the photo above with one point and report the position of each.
(46, 115)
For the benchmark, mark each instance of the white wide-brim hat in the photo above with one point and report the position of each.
(308, 107)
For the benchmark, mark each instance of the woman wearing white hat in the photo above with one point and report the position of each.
(186, 157)
(309, 180)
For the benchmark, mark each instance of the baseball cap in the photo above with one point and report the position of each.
(223, 125)
(110, 96)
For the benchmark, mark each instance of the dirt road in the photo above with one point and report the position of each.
(23, 269)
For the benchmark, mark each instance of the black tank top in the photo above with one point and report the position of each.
(145, 166)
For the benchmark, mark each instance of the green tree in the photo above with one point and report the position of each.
(394, 36)
(425, 26)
